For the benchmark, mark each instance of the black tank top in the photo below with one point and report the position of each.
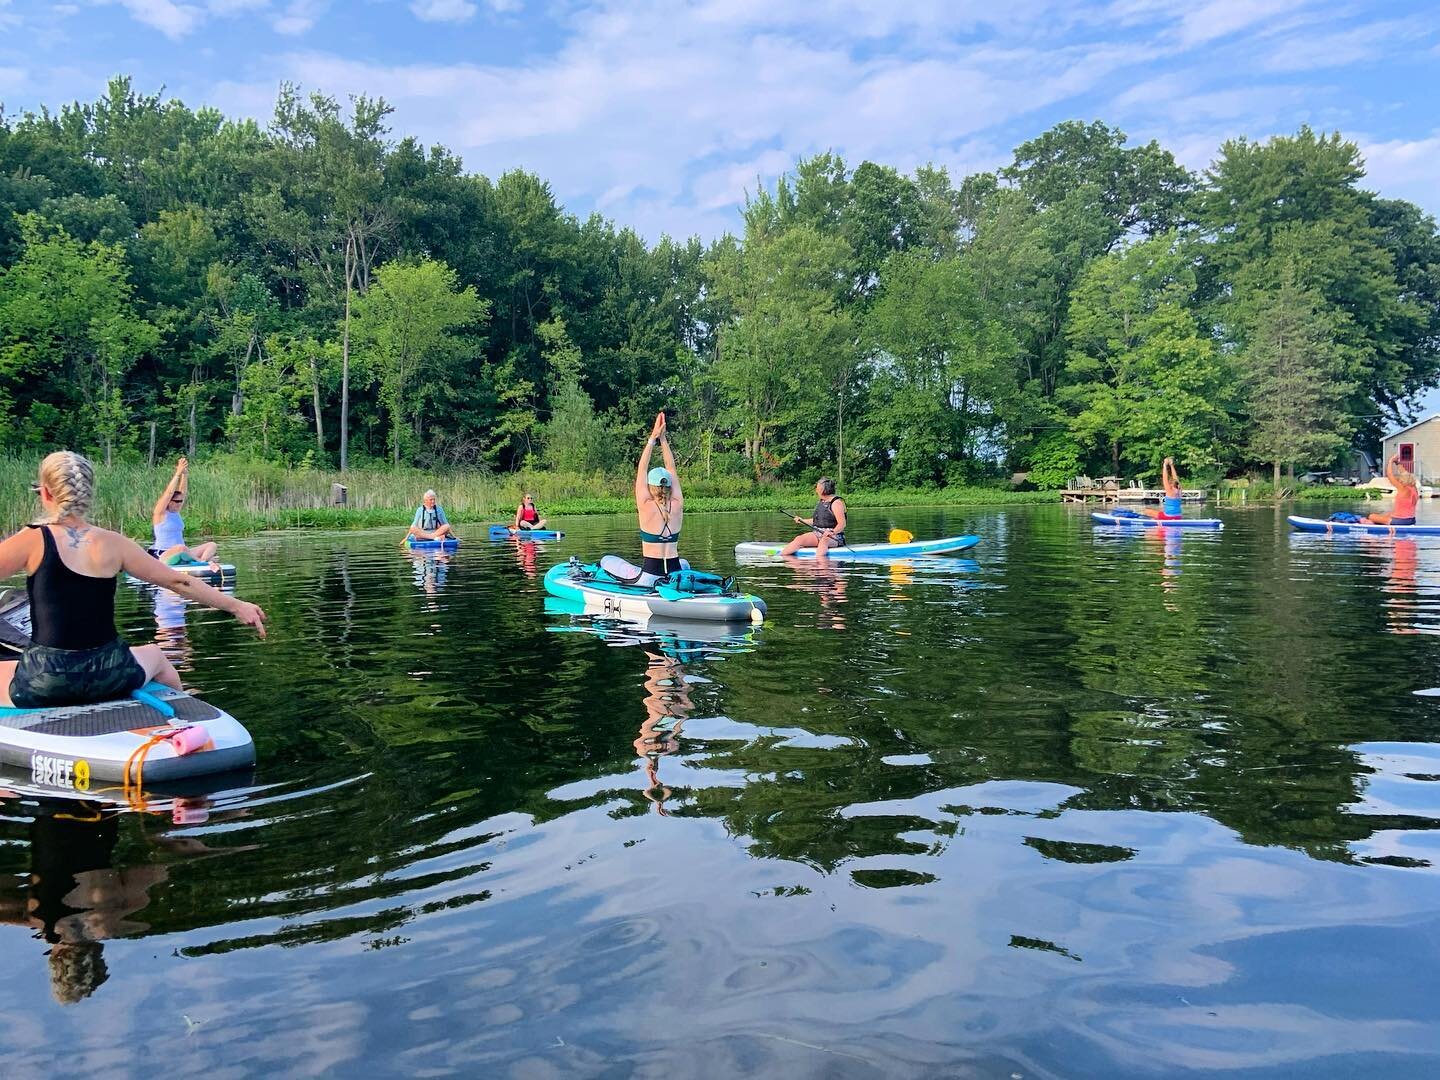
(824, 515)
(68, 610)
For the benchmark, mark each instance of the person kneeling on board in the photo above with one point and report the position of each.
(430, 522)
(526, 516)
(76, 656)
(169, 546)
(827, 524)
(660, 506)
(1170, 506)
(1407, 495)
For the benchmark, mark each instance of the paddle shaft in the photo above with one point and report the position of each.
(813, 528)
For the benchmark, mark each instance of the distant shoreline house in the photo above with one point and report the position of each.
(1418, 446)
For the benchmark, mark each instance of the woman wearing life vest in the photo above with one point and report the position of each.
(169, 546)
(75, 656)
(1170, 505)
(659, 504)
(526, 516)
(1407, 495)
(827, 524)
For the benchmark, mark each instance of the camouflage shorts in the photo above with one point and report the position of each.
(47, 677)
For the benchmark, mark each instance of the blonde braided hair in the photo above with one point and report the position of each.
(71, 480)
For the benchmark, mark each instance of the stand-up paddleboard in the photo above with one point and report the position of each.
(504, 532)
(769, 549)
(1340, 528)
(156, 735)
(450, 543)
(1140, 521)
(225, 574)
(601, 594)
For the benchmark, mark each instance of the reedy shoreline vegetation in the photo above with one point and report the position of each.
(232, 497)
(317, 291)
(235, 498)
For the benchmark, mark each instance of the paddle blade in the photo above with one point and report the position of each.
(900, 536)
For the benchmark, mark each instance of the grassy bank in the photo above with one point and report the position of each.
(231, 498)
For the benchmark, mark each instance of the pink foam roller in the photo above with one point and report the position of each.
(189, 739)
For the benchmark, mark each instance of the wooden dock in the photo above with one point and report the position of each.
(1127, 494)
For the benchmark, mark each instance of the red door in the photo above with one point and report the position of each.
(1407, 455)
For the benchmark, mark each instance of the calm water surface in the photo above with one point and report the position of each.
(1085, 805)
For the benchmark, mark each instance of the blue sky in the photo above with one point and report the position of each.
(661, 115)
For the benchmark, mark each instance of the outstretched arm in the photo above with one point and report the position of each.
(177, 483)
(675, 494)
(642, 487)
(142, 565)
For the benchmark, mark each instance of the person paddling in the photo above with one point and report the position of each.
(169, 546)
(1407, 495)
(827, 524)
(430, 522)
(1171, 508)
(527, 517)
(660, 505)
(75, 656)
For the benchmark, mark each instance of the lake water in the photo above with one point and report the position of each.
(1084, 805)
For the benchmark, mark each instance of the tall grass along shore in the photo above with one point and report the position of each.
(230, 497)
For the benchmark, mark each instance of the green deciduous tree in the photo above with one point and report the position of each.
(66, 310)
(409, 325)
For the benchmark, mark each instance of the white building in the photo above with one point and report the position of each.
(1419, 448)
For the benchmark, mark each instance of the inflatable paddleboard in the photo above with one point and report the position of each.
(160, 733)
(769, 549)
(450, 543)
(1142, 522)
(226, 573)
(1333, 528)
(502, 532)
(599, 597)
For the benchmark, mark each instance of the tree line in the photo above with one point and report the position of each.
(318, 291)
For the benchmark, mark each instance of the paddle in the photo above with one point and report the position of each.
(794, 518)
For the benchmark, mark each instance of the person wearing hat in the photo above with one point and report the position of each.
(659, 504)
(430, 522)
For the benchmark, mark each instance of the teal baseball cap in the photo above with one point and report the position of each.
(659, 477)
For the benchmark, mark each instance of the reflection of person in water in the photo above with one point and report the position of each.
(1402, 587)
(824, 579)
(526, 550)
(170, 632)
(667, 705)
(1170, 540)
(430, 570)
(75, 897)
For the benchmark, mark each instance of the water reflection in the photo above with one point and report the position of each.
(667, 706)
(430, 570)
(1076, 807)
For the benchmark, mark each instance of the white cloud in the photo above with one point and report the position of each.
(1403, 168)
(173, 20)
(453, 11)
(299, 16)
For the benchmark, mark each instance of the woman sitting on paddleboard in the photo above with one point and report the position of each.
(430, 522)
(169, 546)
(526, 516)
(76, 657)
(1407, 495)
(660, 505)
(1170, 506)
(827, 525)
